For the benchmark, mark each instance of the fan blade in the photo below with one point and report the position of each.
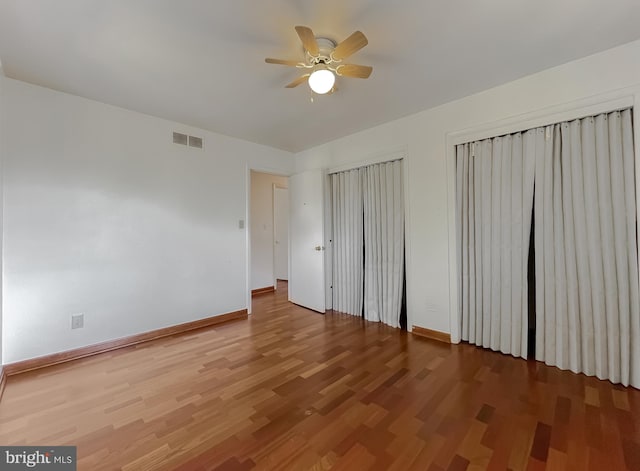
(355, 71)
(269, 60)
(298, 81)
(308, 40)
(349, 46)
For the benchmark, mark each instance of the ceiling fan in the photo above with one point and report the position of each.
(323, 60)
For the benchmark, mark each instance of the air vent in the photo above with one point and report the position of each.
(179, 138)
(195, 142)
(186, 140)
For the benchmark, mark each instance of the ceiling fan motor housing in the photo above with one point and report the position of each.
(326, 47)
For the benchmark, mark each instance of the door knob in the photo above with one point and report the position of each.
(319, 248)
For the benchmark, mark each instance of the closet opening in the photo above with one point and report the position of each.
(368, 257)
(403, 306)
(531, 288)
(569, 299)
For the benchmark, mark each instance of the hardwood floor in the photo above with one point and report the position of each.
(292, 389)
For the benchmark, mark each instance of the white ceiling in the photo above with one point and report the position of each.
(202, 62)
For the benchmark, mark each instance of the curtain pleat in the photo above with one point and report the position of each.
(486, 222)
(588, 317)
(465, 186)
(476, 270)
(384, 242)
(494, 197)
(348, 269)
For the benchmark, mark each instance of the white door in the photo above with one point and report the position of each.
(280, 233)
(306, 240)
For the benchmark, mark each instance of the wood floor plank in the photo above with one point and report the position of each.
(292, 389)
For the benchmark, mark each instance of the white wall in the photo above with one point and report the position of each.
(104, 215)
(1, 202)
(262, 227)
(424, 136)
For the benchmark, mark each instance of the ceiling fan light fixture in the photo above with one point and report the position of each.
(321, 81)
(323, 60)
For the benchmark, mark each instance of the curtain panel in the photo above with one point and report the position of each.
(495, 200)
(384, 242)
(588, 311)
(348, 242)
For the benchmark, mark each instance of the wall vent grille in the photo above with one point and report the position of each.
(186, 140)
(195, 142)
(179, 138)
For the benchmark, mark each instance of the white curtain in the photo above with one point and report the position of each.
(587, 305)
(494, 204)
(348, 270)
(384, 242)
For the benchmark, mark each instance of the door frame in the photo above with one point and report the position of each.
(247, 217)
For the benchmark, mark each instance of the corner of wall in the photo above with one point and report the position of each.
(1, 221)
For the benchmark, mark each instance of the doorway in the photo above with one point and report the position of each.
(268, 231)
(280, 234)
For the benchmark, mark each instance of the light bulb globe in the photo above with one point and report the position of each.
(321, 81)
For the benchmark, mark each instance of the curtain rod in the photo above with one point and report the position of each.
(367, 163)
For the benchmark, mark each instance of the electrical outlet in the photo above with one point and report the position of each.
(77, 321)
